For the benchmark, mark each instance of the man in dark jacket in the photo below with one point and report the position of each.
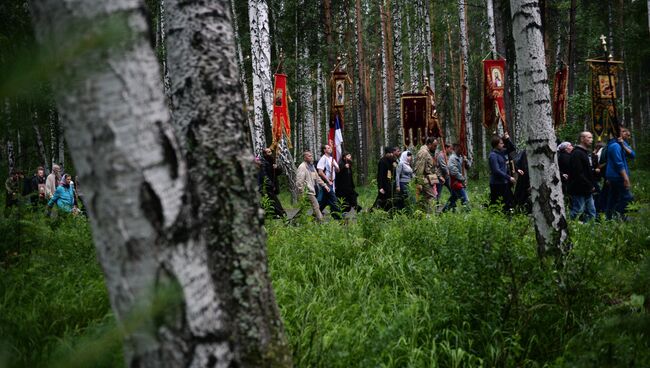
(34, 187)
(500, 180)
(581, 179)
(386, 179)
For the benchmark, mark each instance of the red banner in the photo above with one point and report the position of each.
(281, 122)
(493, 86)
(559, 97)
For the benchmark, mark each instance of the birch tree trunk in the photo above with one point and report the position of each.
(307, 103)
(11, 157)
(263, 88)
(224, 261)
(464, 45)
(53, 122)
(398, 68)
(492, 37)
(649, 15)
(153, 248)
(318, 118)
(258, 15)
(242, 71)
(362, 97)
(61, 145)
(39, 142)
(412, 50)
(546, 193)
(429, 46)
(384, 71)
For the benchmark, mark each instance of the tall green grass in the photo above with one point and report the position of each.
(453, 290)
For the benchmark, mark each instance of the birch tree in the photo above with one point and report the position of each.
(307, 103)
(464, 45)
(362, 98)
(546, 193)
(39, 141)
(242, 74)
(384, 70)
(258, 14)
(182, 254)
(398, 67)
(492, 37)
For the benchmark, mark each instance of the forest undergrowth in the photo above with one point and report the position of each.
(460, 289)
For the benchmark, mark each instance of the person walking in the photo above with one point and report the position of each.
(268, 181)
(581, 184)
(308, 181)
(443, 170)
(345, 188)
(500, 180)
(63, 197)
(403, 176)
(35, 187)
(563, 159)
(386, 179)
(617, 175)
(327, 168)
(425, 173)
(458, 181)
(52, 180)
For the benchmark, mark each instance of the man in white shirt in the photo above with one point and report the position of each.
(327, 169)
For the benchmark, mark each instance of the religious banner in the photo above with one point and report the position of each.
(415, 117)
(281, 122)
(559, 97)
(493, 87)
(604, 117)
(338, 80)
(433, 123)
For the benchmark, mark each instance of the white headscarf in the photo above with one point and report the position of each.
(403, 157)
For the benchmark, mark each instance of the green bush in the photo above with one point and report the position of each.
(459, 289)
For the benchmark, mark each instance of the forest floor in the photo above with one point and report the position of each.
(461, 289)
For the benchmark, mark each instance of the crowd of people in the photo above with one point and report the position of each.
(57, 189)
(593, 180)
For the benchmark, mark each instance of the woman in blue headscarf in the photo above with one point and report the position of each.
(64, 196)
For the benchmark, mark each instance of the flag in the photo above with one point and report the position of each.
(335, 137)
(281, 122)
(493, 86)
(559, 97)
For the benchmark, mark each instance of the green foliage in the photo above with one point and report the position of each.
(459, 289)
(52, 289)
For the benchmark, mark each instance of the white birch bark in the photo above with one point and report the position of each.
(492, 37)
(412, 51)
(222, 266)
(52, 117)
(399, 69)
(464, 45)
(306, 103)
(384, 72)
(263, 87)
(248, 107)
(11, 156)
(258, 15)
(649, 15)
(118, 132)
(318, 118)
(429, 46)
(546, 193)
(61, 145)
(163, 47)
(39, 142)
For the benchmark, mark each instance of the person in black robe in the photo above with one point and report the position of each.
(386, 179)
(268, 182)
(345, 185)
